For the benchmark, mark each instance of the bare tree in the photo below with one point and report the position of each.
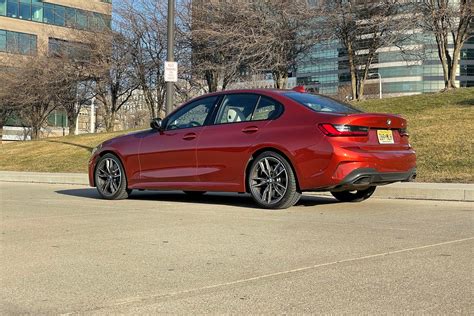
(234, 38)
(145, 29)
(213, 28)
(363, 28)
(32, 91)
(286, 32)
(115, 80)
(448, 21)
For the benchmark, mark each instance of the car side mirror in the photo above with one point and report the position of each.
(157, 124)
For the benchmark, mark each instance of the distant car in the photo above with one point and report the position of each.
(273, 144)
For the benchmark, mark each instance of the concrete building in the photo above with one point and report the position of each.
(30, 28)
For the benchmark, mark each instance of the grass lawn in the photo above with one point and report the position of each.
(441, 129)
(62, 154)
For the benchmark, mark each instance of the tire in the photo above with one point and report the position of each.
(354, 196)
(195, 194)
(272, 182)
(110, 178)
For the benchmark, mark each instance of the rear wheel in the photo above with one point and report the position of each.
(110, 178)
(272, 182)
(354, 196)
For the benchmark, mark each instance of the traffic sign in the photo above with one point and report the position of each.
(171, 71)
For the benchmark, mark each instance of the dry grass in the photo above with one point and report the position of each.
(64, 154)
(441, 128)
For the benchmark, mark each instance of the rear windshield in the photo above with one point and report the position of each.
(319, 103)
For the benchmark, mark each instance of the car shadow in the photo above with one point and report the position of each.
(230, 199)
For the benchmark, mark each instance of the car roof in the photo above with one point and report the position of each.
(263, 91)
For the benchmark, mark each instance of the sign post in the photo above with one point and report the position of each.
(172, 72)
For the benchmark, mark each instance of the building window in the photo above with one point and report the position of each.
(39, 11)
(48, 13)
(3, 7)
(65, 49)
(59, 15)
(70, 17)
(18, 43)
(3, 41)
(12, 8)
(25, 10)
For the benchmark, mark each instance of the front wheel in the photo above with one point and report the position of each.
(272, 182)
(354, 196)
(110, 178)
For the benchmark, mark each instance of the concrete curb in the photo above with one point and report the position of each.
(44, 177)
(411, 190)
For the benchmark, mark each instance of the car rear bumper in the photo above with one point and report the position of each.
(367, 177)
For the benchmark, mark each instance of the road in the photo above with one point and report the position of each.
(65, 251)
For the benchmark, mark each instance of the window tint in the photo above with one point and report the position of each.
(236, 108)
(267, 109)
(319, 103)
(192, 115)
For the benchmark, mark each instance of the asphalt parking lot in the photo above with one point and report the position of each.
(63, 250)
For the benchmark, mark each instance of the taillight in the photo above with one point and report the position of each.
(343, 130)
(403, 132)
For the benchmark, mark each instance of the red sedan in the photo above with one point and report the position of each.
(273, 144)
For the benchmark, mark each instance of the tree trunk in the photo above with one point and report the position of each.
(149, 101)
(353, 71)
(455, 63)
(281, 79)
(35, 132)
(71, 121)
(110, 122)
(212, 79)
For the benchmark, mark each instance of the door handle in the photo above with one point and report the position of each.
(250, 129)
(190, 136)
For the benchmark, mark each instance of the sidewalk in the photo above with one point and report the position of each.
(410, 190)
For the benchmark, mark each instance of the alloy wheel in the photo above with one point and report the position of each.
(269, 180)
(109, 176)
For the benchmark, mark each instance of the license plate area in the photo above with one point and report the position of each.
(385, 136)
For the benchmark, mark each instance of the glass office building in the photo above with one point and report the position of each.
(417, 70)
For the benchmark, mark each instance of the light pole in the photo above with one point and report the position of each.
(380, 82)
(92, 127)
(170, 57)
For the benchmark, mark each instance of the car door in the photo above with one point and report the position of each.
(170, 155)
(223, 147)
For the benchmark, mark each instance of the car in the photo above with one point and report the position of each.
(272, 144)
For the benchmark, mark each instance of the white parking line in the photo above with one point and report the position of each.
(132, 300)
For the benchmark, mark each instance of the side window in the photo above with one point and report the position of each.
(193, 115)
(267, 109)
(236, 108)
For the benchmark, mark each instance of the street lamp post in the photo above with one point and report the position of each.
(380, 82)
(170, 53)
(92, 127)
